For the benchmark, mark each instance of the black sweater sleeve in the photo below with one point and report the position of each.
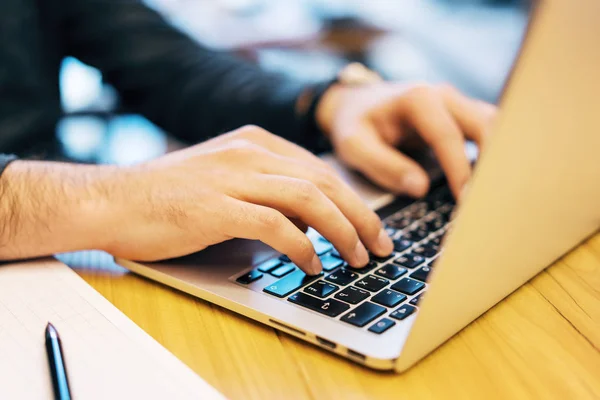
(188, 90)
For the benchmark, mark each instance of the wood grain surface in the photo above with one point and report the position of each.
(541, 342)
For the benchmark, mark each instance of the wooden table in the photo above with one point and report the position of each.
(541, 342)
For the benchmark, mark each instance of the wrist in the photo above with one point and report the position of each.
(327, 106)
(53, 208)
(352, 75)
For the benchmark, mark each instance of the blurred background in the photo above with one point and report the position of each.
(469, 43)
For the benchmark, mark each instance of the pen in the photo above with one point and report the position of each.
(57, 364)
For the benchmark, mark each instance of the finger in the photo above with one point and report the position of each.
(365, 221)
(256, 222)
(297, 198)
(473, 116)
(430, 117)
(385, 165)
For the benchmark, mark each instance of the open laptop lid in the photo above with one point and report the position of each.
(536, 190)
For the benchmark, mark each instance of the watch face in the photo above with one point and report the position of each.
(357, 73)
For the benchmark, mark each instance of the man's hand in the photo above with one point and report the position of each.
(367, 124)
(245, 184)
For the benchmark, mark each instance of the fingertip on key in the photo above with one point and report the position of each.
(315, 266)
(414, 184)
(361, 256)
(384, 243)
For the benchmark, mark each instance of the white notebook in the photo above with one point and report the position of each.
(106, 354)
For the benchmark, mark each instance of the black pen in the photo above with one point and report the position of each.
(57, 364)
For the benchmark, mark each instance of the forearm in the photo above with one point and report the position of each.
(187, 89)
(48, 208)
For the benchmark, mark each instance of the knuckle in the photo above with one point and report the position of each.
(421, 89)
(239, 143)
(327, 182)
(423, 94)
(272, 220)
(241, 147)
(447, 90)
(305, 248)
(306, 191)
(253, 131)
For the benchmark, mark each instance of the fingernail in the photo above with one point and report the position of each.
(413, 184)
(315, 265)
(384, 242)
(361, 256)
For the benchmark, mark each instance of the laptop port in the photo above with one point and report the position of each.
(326, 343)
(287, 328)
(356, 355)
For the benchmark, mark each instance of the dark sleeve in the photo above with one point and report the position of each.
(6, 159)
(188, 90)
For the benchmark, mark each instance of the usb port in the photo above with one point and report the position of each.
(326, 343)
(356, 355)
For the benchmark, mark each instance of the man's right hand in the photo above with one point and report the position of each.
(244, 184)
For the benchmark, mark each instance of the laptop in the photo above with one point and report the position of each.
(534, 195)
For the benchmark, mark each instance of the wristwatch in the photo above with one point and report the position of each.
(353, 74)
(357, 74)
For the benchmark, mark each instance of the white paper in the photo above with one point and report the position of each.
(106, 354)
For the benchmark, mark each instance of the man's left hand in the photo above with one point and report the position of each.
(368, 126)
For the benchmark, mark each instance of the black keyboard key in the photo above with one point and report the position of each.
(283, 270)
(342, 277)
(330, 262)
(322, 247)
(435, 200)
(416, 211)
(372, 283)
(408, 286)
(381, 259)
(427, 250)
(363, 314)
(402, 244)
(249, 277)
(415, 300)
(287, 285)
(435, 224)
(403, 312)
(410, 260)
(321, 289)
(382, 325)
(437, 241)
(352, 295)
(422, 273)
(285, 259)
(388, 298)
(391, 271)
(365, 269)
(336, 253)
(270, 265)
(401, 222)
(329, 307)
(322, 239)
(416, 235)
(446, 210)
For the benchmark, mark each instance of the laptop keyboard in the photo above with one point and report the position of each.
(387, 290)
